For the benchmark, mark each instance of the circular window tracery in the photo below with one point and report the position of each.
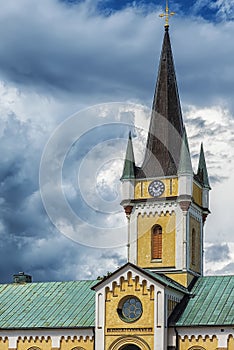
(130, 309)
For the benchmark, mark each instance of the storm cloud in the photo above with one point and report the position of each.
(57, 57)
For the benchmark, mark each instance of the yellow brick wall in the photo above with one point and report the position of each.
(194, 224)
(171, 188)
(42, 343)
(117, 328)
(4, 344)
(145, 224)
(231, 342)
(197, 194)
(205, 343)
(85, 343)
(183, 278)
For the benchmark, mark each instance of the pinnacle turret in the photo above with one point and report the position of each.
(129, 163)
(202, 172)
(185, 165)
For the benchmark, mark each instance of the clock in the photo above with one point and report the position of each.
(156, 188)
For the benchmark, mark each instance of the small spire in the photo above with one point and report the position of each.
(202, 172)
(129, 163)
(185, 165)
(167, 15)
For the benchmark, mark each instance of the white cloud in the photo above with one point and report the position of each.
(214, 126)
(225, 8)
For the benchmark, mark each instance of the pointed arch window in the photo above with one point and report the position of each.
(193, 248)
(156, 239)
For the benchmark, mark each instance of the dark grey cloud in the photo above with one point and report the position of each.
(73, 56)
(30, 242)
(217, 179)
(217, 253)
(55, 48)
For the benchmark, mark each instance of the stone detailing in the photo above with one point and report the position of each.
(129, 330)
(132, 283)
(160, 208)
(31, 341)
(211, 339)
(133, 340)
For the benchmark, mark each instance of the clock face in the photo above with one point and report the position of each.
(156, 188)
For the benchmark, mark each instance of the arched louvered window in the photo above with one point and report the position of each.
(77, 348)
(196, 348)
(193, 247)
(34, 348)
(156, 239)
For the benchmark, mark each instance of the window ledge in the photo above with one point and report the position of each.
(156, 260)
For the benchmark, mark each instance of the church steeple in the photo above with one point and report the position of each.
(165, 203)
(166, 126)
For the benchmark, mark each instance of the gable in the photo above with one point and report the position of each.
(147, 275)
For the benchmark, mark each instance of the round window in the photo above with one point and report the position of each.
(130, 309)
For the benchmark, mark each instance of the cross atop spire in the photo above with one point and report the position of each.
(167, 15)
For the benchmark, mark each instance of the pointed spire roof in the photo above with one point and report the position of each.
(202, 172)
(185, 165)
(129, 163)
(166, 126)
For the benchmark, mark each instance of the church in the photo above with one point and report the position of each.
(160, 299)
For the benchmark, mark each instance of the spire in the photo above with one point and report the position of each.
(129, 163)
(202, 172)
(166, 125)
(185, 165)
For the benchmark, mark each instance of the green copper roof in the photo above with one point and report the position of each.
(129, 163)
(167, 281)
(212, 303)
(202, 169)
(47, 305)
(185, 165)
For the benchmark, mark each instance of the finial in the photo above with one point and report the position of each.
(167, 15)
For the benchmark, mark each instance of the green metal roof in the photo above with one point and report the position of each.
(212, 303)
(129, 163)
(185, 164)
(47, 305)
(167, 281)
(202, 169)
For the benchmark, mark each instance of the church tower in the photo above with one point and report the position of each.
(165, 202)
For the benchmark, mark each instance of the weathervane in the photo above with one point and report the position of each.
(167, 15)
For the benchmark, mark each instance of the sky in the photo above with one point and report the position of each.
(75, 77)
